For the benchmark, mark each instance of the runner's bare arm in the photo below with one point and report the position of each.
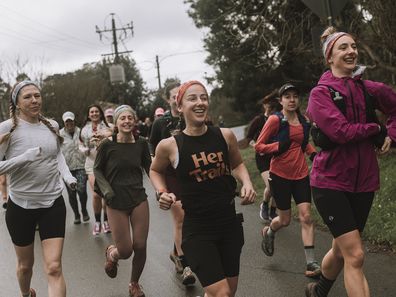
(239, 169)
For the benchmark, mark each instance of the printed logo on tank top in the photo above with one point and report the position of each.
(213, 160)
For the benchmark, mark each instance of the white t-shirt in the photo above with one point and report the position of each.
(35, 179)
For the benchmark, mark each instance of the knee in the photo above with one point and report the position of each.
(355, 258)
(124, 253)
(305, 218)
(285, 221)
(139, 247)
(25, 268)
(54, 269)
(224, 292)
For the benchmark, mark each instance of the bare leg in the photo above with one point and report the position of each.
(225, 288)
(351, 247)
(307, 227)
(140, 226)
(178, 216)
(283, 220)
(25, 261)
(52, 253)
(96, 199)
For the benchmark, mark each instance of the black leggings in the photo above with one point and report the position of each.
(21, 222)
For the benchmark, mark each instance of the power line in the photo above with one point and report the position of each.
(35, 22)
(114, 31)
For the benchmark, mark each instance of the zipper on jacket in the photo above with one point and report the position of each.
(357, 143)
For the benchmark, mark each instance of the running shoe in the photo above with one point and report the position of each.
(267, 244)
(178, 265)
(85, 216)
(135, 290)
(272, 214)
(77, 220)
(106, 227)
(96, 229)
(111, 266)
(264, 212)
(310, 290)
(188, 276)
(313, 270)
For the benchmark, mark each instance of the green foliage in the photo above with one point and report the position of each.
(256, 46)
(381, 225)
(75, 91)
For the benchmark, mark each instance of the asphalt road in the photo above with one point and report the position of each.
(278, 276)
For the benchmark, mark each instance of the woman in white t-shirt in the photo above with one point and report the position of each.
(30, 150)
(95, 129)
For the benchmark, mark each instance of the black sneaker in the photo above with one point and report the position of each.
(77, 220)
(85, 216)
(310, 290)
(272, 214)
(267, 244)
(264, 212)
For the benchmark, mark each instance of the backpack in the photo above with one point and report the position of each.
(322, 140)
(284, 130)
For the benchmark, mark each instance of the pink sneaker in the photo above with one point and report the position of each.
(106, 227)
(96, 229)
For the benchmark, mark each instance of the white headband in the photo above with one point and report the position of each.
(18, 87)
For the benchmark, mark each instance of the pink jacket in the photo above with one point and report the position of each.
(352, 166)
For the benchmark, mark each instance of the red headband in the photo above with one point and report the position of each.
(183, 88)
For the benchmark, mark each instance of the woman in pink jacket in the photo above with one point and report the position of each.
(345, 174)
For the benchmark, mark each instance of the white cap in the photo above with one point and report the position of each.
(68, 115)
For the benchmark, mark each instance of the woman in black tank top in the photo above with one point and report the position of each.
(204, 158)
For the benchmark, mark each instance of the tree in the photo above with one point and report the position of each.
(75, 91)
(257, 45)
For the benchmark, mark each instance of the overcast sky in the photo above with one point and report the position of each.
(57, 36)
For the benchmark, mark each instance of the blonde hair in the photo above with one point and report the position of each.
(328, 31)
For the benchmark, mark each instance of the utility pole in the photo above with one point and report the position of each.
(114, 33)
(158, 72)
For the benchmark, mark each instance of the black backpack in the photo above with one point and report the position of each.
(323, 141)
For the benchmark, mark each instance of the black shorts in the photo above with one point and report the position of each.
(343, 212)
(263, 162)
(21, 222)
(214, 256)
(282, 190)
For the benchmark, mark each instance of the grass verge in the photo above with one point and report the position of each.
(380, 230)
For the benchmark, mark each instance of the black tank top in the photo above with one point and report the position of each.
(204, 174)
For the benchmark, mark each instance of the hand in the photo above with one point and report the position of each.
(379, 139)
(312, 156)
(386, 146)
(73, 186)
(166, 200)
(32, 153)
(248, 195)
